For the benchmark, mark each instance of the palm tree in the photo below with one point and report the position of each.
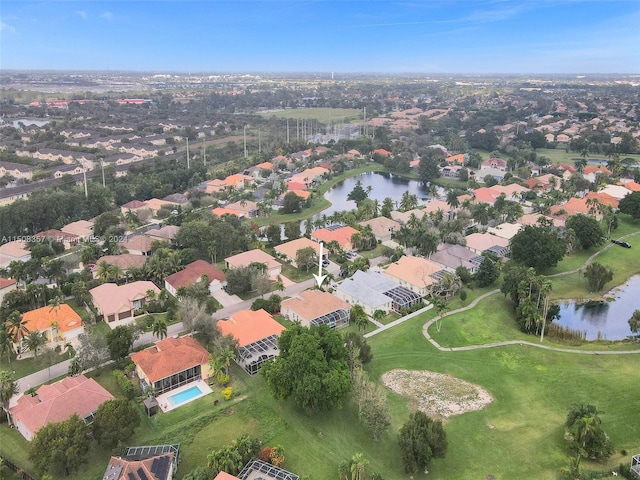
(8, 388)
(358, 464)
(227, 356)
(452, 199)
(16, 327)
(5, 342)
(34, 341)
(216, 364)
(358, 316)
(103, 271)
(115, 272)
(159, 328)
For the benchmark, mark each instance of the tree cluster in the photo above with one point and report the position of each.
(584, 432)
(232, 457)
(311, 368)
(421, 439)
(538, 246)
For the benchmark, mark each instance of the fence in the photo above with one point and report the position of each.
(14, 468)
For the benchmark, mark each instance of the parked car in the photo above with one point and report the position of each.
(325, 263)
(621, 243)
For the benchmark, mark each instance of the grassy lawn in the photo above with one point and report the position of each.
(532, 390)
(324, 115)
(22, 367)
(296, 275)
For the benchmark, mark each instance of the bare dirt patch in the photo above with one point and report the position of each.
(437, 394)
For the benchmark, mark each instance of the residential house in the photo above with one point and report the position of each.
(155, 204)
(16, 170)
(150, 462)
(58, 324)
(52, 235)
(485, 242)
(616, 191)
(7, 285)
(259, 470)
(382, 227)
(457, 159)
(134, 206)
(171, 363)
(192, 274)
(124, 261)
(415, 273)
(57, 402)
(81, 228)
(116, 304)
(342, 235)
(138, 245)
(451, 171)
(244, 208)
(505, 230)
(13, 251)
(274, 268)
(315, 307)
(434, 206)
(591, 171)
(289, 250)
(257, 335)
(534, 219)
(403, 217)
(310, 176)
(452, 256)
(494, 163)
(496, 173)
(374, 291)
(166, 233)
(381, 151)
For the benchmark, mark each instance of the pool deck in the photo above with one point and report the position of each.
(164, 404)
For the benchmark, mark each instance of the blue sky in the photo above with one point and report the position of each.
(422, 36)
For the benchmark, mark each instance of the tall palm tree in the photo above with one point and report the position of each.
(452, 199)
(159, 328)
(16, 327)
(358, 316)
(5, 342)
(216, 364)
(103, 271)
(8, 388)
(227, 356)
(358, 464)
(34, 341)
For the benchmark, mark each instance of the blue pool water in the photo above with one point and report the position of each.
(184, 396)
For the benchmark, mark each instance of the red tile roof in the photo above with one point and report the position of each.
(193, 273)
(248, 326)
(6, 282)
(341, 235)
(42, 318)
(382, 151)
(170, 356)
(57, 402)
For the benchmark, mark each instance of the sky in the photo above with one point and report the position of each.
(346, 36)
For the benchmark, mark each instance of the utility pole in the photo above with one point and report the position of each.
(188, 161)
(259, 142)
(287, 131)
(245, 141)
(84, 174)
(204, 153)
(102, 165)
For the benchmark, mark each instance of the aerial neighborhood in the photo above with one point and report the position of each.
(257, 278)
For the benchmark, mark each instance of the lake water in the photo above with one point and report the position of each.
(29, 121)
(382, 185)
(609, 318)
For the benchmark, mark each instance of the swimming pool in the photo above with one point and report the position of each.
(184, 396)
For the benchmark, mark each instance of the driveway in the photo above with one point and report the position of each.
(225, 299)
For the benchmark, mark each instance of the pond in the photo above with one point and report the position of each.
(607, 319)
(382, 185)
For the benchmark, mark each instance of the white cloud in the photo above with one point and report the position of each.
(6, 28)
(107, 15)
(82, 14)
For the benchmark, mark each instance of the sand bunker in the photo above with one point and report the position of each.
(437, 394)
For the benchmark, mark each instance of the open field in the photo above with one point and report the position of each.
(324, 115)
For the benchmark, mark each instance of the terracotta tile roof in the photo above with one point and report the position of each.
(59, 401)
(459, 158)
(633, 186)
(413, 270)
(603, 198)
(312, 304)
(341, 235)
(265, 165)
(596, 169)
(125, 260)
(248, 326)
(170, 356)
(382, 151)
(168, 232)
(483, 241)
(42, 318)
(220, 211)
(382, 226)
(290, 249)
(225, 476)
(296, 186)
(123, 469)
(193, 273)
(7, 282)
(134, 204)
(110, 298)
(57, 235)
(141, 243)
(252, 256)
(303, 194)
